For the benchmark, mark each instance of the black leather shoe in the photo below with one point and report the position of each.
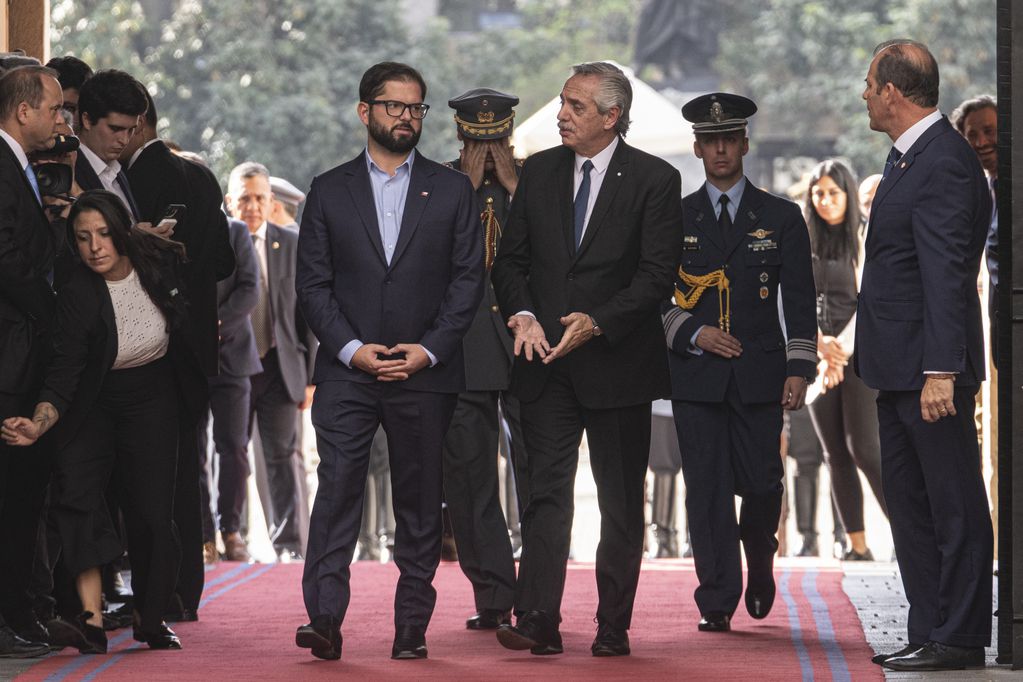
(760, 587)
(535, 631)
(12, 646)
(715, 622)
(938, 656)
(488, 619)
(409, 642)
(323, 636)
(878, 659)
(610, 641)
(162, 638)
(79, 633)
(31, 630)
(178, 613)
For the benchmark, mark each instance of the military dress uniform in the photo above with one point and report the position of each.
(728, 411)
(471, 446)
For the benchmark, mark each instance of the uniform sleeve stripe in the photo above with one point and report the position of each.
(801, 349)
(673, 320)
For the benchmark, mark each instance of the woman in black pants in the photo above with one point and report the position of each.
(110, 396)
(845, 414)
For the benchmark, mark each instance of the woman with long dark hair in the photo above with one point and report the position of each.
(844, 415)
(111, 399)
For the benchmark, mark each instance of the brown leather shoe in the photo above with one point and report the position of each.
(235, 548)
(210, 555)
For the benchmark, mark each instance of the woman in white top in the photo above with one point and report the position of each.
(111, 398)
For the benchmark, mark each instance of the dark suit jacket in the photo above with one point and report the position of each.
(84, 349)
(87, 179)
(918, 308)
(159, 178)
(620, 275)
(757, 265)
(26, 297)
(296, 343)
(427, 295)
(236, 299)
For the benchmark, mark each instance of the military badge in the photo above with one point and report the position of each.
(763, 278)
(760, 234)
(764, 293)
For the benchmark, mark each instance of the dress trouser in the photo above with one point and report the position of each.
(619, 445)
(346, 415)
(939, 515)
(229, 406)
(728, 449)
(277, 418)
(24, 474)
(474, 501)
(845, 418)
(188, 507)
(131, 437)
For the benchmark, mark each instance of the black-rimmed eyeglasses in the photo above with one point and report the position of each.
(395, 108)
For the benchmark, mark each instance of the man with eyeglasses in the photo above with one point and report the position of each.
(390, 272)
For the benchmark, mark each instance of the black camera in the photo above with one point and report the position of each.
(55, 178)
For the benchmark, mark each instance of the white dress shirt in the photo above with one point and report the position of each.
(107, 173)
(601, 160)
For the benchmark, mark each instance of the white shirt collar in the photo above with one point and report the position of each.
(913, 133)
(99, 165)
(138, 152)
(601, 160)
(19, 153)
(260, 233)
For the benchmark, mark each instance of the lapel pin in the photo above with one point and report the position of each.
(902, 165)
(424, 194)
(619, 174)
(764, 292)
(276, 245)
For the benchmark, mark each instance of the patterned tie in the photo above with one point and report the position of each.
(261, 322)
(582, 198)
(31, 175)
(725, 219)
(893, 158)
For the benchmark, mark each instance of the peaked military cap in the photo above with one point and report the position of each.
(718, 112)
(285, 191)
(484, 114)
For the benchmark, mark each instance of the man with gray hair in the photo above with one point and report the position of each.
(586, 258)
(286, 348)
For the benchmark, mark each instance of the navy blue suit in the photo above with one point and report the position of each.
(728, 411)
(427, 294)
(919, 311)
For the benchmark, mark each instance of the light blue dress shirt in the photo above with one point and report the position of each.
(389, 193)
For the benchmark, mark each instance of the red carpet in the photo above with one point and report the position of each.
(251, 612)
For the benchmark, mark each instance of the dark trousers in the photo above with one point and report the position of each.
(24, 474)
(619, 444)
(131, 437)
(728, 449)
(806, 451)
(474, 500)
(939, 515)
(346, 415)
(188, 509)
(512, 445)
(229, 406)
(845, 419)
(276, 415)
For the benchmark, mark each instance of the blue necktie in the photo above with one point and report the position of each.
(31, 175)
(893, 158)
(582, 198)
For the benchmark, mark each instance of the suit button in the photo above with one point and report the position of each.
(571, 275)
(493, 308)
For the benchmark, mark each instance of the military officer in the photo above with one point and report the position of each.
(484, 120)
(732, 371)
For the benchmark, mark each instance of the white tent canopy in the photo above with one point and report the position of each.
(657, 124)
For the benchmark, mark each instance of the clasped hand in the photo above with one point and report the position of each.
(20, 431)
(367, 360)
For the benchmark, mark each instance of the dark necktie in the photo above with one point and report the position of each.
(582, 198)
(893, 158)
(262, 323)
(725, 219)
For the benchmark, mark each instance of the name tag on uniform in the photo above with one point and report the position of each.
(762, 245)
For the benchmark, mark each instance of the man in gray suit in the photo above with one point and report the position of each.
(285, 346)
(229, 399)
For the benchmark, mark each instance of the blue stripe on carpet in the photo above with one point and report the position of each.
(825, 630)
(805, 666)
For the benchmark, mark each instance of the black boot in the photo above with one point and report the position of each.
(663, 516)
